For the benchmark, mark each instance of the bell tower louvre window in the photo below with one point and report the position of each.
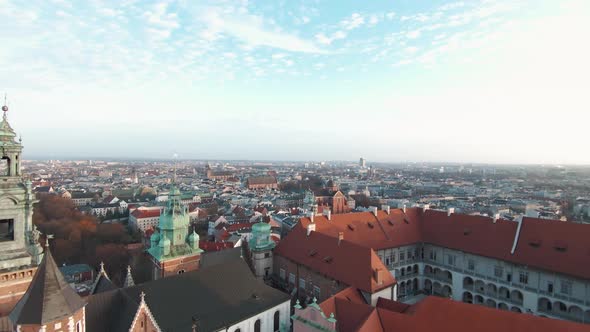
(6, 230)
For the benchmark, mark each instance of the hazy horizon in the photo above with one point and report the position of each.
(487, 82)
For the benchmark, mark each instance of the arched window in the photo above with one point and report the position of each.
(277, 321)
(257, 326)
(181, 271)
(237, 330)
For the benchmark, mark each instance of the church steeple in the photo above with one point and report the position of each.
(48, 300)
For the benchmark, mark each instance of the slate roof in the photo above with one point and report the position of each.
(218, 296)
(48, 298)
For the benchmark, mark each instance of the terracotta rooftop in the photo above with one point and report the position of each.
(541, 244)
(328, 256)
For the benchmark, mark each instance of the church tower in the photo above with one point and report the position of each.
(173, 250)
(261, 246)
(20, 253)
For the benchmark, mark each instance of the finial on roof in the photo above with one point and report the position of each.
(5, 107)
(47, 237)
(102, 267)
(142, 297)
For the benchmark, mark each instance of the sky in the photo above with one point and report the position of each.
(392, 81)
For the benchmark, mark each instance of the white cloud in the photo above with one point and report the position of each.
(390, 16)
(413, 34)
(353, 22)
(251, 30)
(327, 40)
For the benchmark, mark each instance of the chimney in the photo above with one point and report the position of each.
(311, 217)
(496, 217)
(425, 207)
(310, 228)
(404, 208)
(340, 237)
(373, 209)
(328, 214)
(386, 208)
(378, 274)
(450, 211)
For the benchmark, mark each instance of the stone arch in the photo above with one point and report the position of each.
(559, 306)
(576, 312)
(447, 291)
(468, 283)
(480, 286)
(504, 293)
(428, 286)
(490, 303)
(427, 269)
(503, 306)
(467, 297)
(516, 309)
(5, 164)
(448, 275)
(437, 288)
(258, 326)
(587, 316)
(403, 271)
(402, 288)
(8, 199)
(491, 289)
(516, 295)
(478, 299)
(544, 304)
(416, 268)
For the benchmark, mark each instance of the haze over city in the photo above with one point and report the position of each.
(472, 81)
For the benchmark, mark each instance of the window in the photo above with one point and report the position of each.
(266, 254)
(78, 326)
(387, 262)
(393, 258)
(498, 271)
(6, 230)
(471, 264)
(282, 274)
(301, 283)
(402, 256)
(257, 327)
(291, 278)
(509, 277)
(316, 292)
(181, 271)
(523, 277)
(549, 287)
(432, 255)
(450, 259)
(566, 287)
(277, 321)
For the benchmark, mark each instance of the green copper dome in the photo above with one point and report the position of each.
(261, 237)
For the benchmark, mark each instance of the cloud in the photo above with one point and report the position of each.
(251, 30)
(327, 40)
(353, 22)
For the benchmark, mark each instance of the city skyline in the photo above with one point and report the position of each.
(483, 82)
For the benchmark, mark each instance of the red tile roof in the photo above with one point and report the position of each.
(322, 253)
(434, 314)
(472, 234)
(444, 315)
(140, 213)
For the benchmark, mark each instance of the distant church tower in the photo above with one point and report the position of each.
(20, 253)
(261, 246)
(173, 250)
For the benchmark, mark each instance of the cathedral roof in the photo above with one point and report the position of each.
(48, 298)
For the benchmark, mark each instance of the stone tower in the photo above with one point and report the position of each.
(173, 249)
(261, 246)
(20, 253)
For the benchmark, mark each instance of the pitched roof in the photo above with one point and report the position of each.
(145, 213)
(435, 314)
(444, 315)
(325, 254)
(218, 296)
(48, 298)
(262, 180)
(541, 243)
